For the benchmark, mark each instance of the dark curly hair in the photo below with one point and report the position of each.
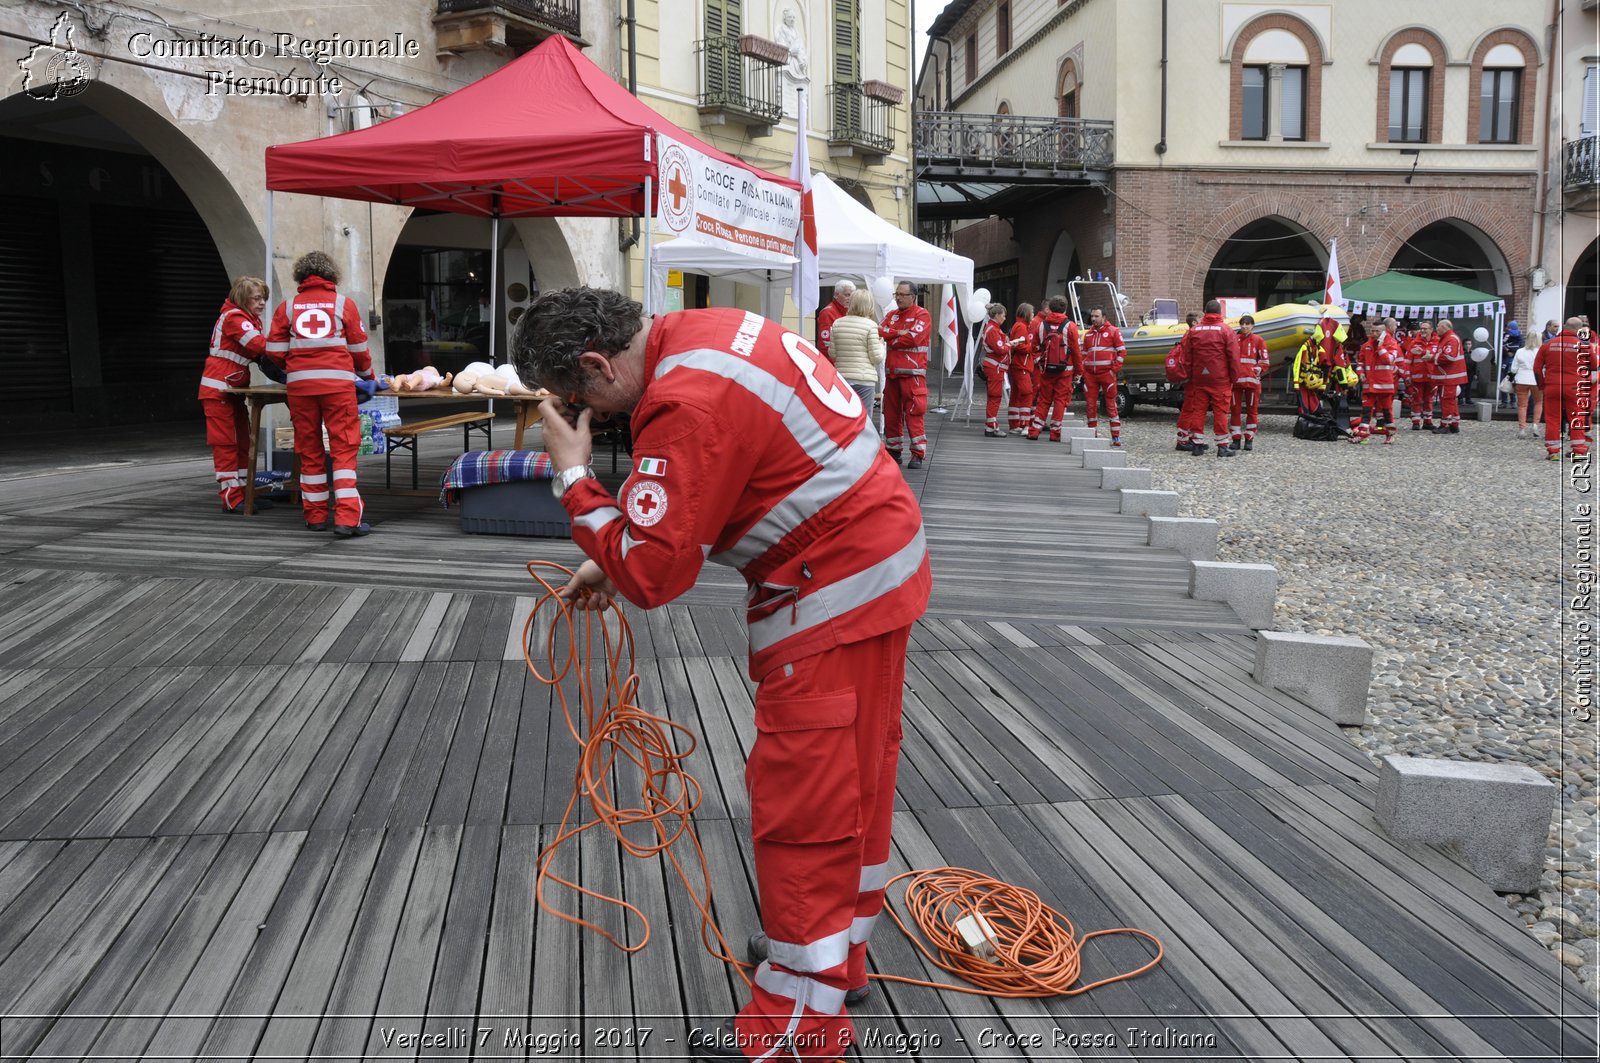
(315, 263)
(561, 325)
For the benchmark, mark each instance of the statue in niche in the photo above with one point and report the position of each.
(797, 71)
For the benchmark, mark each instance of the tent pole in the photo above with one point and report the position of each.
(266, 275)
(649, 249)
(494, 283)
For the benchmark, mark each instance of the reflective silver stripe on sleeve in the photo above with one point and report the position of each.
(628, 543)
(356, 348)
(213, 382)
(826, 485)
(839, 598)
(322, 374)
(596, 519)
(819, 997)
(818, 955)
(278, 346)
(874, 877)
(338, 316)
(218, 352)
(861, 929)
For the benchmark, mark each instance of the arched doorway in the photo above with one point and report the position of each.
(1064, 265)
(1583, 286)
(1271, 260)
(1456, 252)
(119, 242)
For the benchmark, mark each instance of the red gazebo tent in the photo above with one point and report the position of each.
(548, 135)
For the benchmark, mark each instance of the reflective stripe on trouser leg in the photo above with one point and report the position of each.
(227, 432)
(305, 411)
(822, 802)
(894, 398)
(344, 439)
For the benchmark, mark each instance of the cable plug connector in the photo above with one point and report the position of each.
(978, 936)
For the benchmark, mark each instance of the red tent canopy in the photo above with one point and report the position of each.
(547, 135)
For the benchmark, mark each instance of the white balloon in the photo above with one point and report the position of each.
(882, 289)
(979, 306)
(1479, 353)
(1480, 334)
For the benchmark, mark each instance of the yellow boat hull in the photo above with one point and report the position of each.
(1284, 328)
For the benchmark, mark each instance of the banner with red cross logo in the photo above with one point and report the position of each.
(709, 201)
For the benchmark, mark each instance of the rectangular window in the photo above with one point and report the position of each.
(1254, 100)
(1497, 107)
(1591, 102)
(1002, 28)
(1408, 106)
(972, 59)
(1292, 106)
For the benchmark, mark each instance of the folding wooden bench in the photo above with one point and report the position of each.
(404, 437)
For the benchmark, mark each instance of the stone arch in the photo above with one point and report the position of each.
(1507, 235)
(1434, 134)
(1069, 88)
(1270, 258)
(1309, 215)
(1316, 49)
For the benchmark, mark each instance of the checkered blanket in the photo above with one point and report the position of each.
(478, 467)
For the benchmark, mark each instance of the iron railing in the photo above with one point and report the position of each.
(1011, 141)
(859, 118)
(1581, 164)
(734, 80)
(558, 15)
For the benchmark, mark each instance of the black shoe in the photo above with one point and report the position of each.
(1249, 444)
(1197, 449)
(1455, 429)
(914, 463)
(755, 950)
(1441, 430)
(348, 531)
(894, 455)
(1224, 452)
(1416, 428)
(324, 526)
(1184, 448)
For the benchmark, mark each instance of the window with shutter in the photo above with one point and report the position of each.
(846, 64)
(1591, 102)
(724, 72)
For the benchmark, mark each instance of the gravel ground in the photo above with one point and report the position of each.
(1443, 552)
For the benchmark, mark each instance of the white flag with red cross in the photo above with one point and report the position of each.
(1333, 291)
(949, 328)
(805, 283)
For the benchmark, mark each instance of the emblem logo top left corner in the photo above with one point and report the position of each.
(57, 70)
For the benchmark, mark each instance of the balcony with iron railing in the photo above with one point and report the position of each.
(740, 82)
(1580, 171)
(863, 119)
(505, 25)
(957, 144)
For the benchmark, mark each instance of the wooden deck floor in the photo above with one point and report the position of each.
(268, 796)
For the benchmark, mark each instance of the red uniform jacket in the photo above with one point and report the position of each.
(1450, 365)
(1563, 360)
(317, 336)
(1379, 365)
(1208, 354)
(236, 341)
(1070, 336)
(825, 319)
(1021, 345)
(1419, 359)
(1254, 361)
(906, 333)
(1103, 351)
(760, 458)
(995, 347)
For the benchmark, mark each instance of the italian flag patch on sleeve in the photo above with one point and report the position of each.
(652, 466)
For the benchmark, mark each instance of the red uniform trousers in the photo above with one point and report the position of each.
(821, 779)
(1420, 396)
(1021, 398)
(1242, 417)
(228, 435)
(1377, 411)
(905, 401)
(1449, 393)
(1196, 401)
(1099, 387)
(1050, 402)
(338, 411)
(994, 381)
(1566, 406)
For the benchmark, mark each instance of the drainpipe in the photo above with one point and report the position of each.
(631, 21)
(949, 52)
(1161, 148)
(1553, 38)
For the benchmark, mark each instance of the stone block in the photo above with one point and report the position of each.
(1115, 479)
(1485, 409)
(1332, 675)
(1149, 503)
(1104, 459)
(1496, 815)
(1193, 537)
(1080, 444)
(1075, 430)
(1252, 590)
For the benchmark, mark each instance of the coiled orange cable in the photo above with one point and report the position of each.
(1034, 950)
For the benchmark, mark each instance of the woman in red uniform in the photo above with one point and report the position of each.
(236, 342)
(996, 361)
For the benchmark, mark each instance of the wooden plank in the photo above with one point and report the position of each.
(424, 773)
(363, 742)
(603, 970)
(325, 636)
(30, 859)
(329, 746)
(427, 628)
(467, 745)
(106, 687)
(408, 976)
(508, 959)
(458, 969)
(492, 785)
(556, 993)
(383, 788)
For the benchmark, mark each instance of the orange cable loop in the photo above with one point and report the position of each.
(1037, 950)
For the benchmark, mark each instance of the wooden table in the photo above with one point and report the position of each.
(258, 397)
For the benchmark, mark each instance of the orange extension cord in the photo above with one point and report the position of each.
(1037, 952)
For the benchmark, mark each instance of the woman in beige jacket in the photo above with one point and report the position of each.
(856, 347)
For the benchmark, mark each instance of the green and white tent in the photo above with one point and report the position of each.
(1404, 296)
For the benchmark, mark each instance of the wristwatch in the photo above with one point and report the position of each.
(567, 477)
